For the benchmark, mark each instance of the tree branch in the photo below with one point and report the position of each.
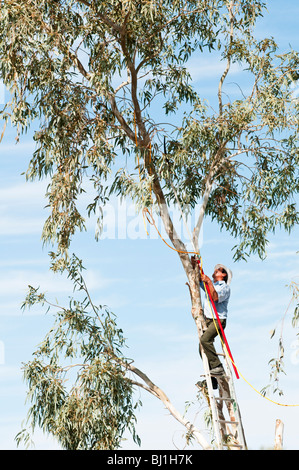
(231, 16)
(156, 391)
(218, 161)
(120, 118)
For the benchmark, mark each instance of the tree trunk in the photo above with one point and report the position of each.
(196, 304)
(158, 393)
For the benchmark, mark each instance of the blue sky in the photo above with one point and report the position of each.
(142, 281)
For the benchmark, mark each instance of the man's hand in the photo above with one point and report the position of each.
(206, 279)
(213, 292)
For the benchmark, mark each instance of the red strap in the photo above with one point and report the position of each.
(219, 323)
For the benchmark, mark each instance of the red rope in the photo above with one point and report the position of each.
(219, 323)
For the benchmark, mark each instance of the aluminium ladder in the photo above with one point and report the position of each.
(229, 431)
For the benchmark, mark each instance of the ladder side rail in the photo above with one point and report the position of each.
(228, 396)
(214, 410)
(237, 413)
(231, 423)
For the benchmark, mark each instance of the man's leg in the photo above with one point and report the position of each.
(207, 343)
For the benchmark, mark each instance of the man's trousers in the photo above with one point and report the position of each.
(207, 341)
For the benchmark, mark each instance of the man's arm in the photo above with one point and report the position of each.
(209, 282)
(204, 278)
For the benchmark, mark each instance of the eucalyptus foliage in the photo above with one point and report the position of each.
(78, 387)
(105, 86)
(89, 71)
(277, 366)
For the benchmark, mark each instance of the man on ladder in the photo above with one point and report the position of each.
(219, 290)
(229, 431)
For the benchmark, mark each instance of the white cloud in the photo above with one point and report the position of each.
(19, 148)
(209, 68)
(23, 193)
(20, 226)
(20, 209)
(9, 373)
(14, 286)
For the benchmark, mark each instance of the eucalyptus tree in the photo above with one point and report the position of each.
(94, 411)
(89, 74)
(276, 364)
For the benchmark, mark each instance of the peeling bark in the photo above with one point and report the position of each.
(158, 393)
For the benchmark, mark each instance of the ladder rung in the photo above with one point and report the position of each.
(217, 376)
(232, 445)
(224, 399)
(227, 422)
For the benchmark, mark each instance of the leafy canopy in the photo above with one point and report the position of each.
(105, 86)
(105, 82)
(77, 380)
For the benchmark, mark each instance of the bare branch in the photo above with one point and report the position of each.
(156, 391)
(120, 118)
(123, 84)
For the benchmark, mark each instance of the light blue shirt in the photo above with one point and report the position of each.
(223, 291)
